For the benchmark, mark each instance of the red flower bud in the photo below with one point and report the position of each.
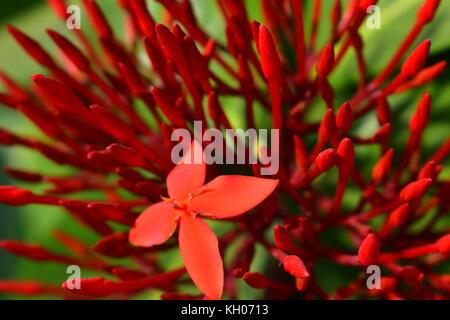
(73, 53)
(270, 61)
(283, 239)
(23, 175)
(326, 60)
(383, 111)
(31, 47)
(419, 120)
(137, 84)
(61, 96)
(97, 19)
(168, 107)
(344, 117)
(415, 189)
(416, 60)
(346, 153)
(255, 280)
(114, 245)
(430, 170)
(295, 266)
(170, 44)
(327, 126)
(127, 155)
(14, 196)
(383, 134)
(443, 244)
(30, 251)
(399, 216)
(59, 7)
(28, 288)
(301, 153)
(144, 19)
(427, 11)
(326, 160)
(411, 275)
(369, 250)
(382, 168)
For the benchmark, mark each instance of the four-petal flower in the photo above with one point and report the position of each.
(189, 200)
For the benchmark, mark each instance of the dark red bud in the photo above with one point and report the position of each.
(31, 47)
(73, 53)
(114, 245)
(127, 155)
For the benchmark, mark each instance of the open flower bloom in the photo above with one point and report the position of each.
(190, 200)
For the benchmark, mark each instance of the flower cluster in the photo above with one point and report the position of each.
(87, 108)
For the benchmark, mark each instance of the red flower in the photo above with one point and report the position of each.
(222, 198)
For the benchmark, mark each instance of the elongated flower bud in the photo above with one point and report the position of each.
(415, 189)
(346, 153)
(270, 61)
(114, 245)
(398, 216)
(97, 19)
(430, 170)
(14, 196)
(326, 160)
(344, 117)
(127, 155)
(369, 250)
(417, 60)
(443, 244)
(72, 52)
(419, 120)
(170, 44)
(326, 61)
(427, 11)
(61, 96)
(31, 47)
(382, 168)
(327, 126)
(283, 239)
(33, 252)
(295, 266)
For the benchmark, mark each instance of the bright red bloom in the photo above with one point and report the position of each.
(222, 198)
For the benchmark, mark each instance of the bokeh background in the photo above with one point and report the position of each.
(36, 224)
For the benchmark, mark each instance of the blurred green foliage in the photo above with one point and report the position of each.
(35, 223)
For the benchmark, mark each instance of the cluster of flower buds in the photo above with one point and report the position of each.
(87, 107)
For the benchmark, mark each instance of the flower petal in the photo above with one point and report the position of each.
(155, 225)
(188, 176)
(200, 252)
(229, 196)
